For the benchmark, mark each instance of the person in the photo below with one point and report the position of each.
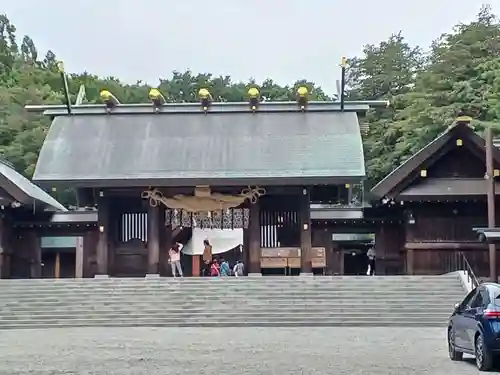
(175, 258)
(225, 270)
(215, 268)
(207, 257)
(371, 254)
(238, 268)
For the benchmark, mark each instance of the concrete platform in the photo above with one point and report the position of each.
(228, 351)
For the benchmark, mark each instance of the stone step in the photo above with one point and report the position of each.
(231, 280)
(251, 277)
(231, 307)
(224, 317)
(235, 297)
(242, 285)
(261, 302)
(165, 301)
(224, 309)
(258, 322)
(30, 325)
(227, 318)
(236, 302)
(225, 285)
(209, 293)
(216, 281)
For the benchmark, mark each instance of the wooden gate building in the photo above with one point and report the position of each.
(154, 171)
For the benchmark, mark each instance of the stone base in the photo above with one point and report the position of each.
(309, 274)
(254, 275)
(152, 276)
(101, 277)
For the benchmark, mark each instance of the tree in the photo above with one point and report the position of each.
(460, 72)
(386, 71)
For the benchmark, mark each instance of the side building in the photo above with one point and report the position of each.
(28, 215)
(440, 196)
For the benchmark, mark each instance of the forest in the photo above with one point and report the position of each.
(426, 85)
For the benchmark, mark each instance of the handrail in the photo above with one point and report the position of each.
(459, 262)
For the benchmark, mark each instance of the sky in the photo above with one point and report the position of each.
(285, 40)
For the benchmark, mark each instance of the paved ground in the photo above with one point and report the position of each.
(228, 351)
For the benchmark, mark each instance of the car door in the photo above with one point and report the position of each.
(475, 308)
(460, 321)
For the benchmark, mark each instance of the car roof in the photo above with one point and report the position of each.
(496, 285)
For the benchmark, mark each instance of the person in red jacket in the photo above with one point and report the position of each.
(215, 268)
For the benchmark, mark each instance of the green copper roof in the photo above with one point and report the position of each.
(185, 149)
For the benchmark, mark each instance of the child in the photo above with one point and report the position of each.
(215, 268)
(224, 267)
(238, 268)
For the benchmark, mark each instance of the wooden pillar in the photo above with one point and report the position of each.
(491, 201)
(341, 257)
(103, 224)
(79, 258)
(383, 241)
(323, 238)
(254, 239)
(5, 247)
(165, 244)
(89, 250)
(153, 240)
(57, 267)
(3, 250)
(196, 265)
(330, 252)
(305, 232)
(410, 259)
(34, 243)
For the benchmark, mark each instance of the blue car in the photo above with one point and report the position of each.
(474, 327)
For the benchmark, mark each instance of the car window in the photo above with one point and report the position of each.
(467, 300)
(478, 300)
(495, 289)
(486, 298)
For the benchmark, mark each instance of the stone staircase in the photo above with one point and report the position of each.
(246, 301)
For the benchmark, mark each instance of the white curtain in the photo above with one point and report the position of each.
(222, 240)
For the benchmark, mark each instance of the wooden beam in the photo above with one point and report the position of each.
(450, 246)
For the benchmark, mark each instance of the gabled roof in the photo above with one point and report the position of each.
(193, 148)
(23, 191)
(399, 176)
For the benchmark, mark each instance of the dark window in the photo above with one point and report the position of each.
(486, 298)
(495, 291)
(467, 300)
(478, 300)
